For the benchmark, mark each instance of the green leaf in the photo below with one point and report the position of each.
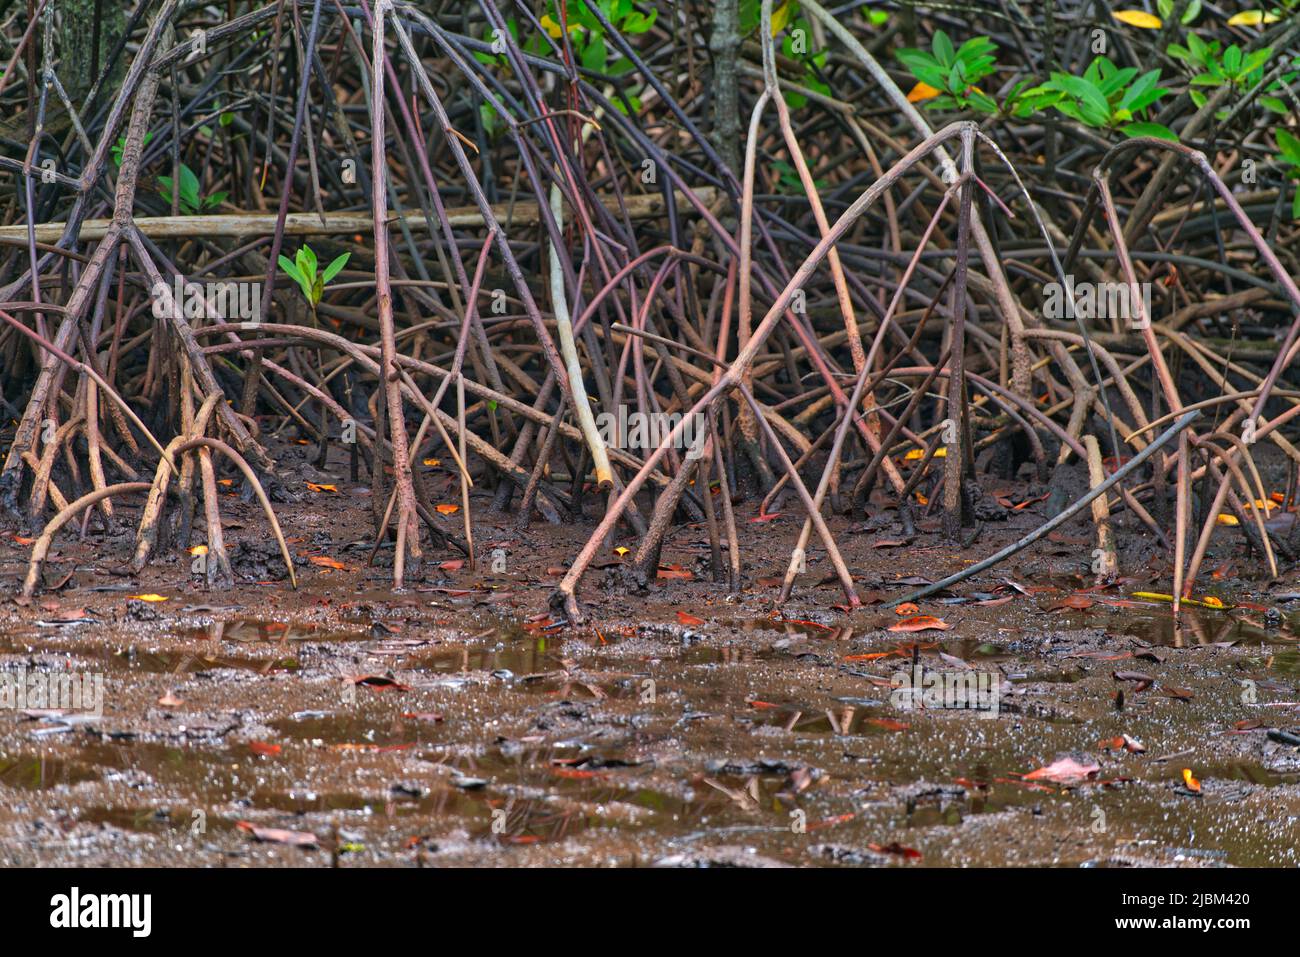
(943, 50)
(1158, 130)
(1289, 145)
(294, 274)
(334, 268)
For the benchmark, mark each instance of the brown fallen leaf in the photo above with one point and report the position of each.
(674, 572)
(169, 700)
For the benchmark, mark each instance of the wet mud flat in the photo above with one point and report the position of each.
(459, 723)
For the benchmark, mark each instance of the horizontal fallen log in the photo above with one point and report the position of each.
(239, 225)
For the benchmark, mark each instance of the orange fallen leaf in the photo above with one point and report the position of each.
(326, 562)
(432, 463)
(906, 608)
(888, 724)
(920, 623)
(920, 93)
(1191, 782)
(454, 565)
(447, 509)
(262, 748)
(322, 488)
(169, 700)
(686, 619)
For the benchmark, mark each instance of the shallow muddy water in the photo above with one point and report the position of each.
(457, 724)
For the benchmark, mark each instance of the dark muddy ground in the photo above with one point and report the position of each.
(486, 734)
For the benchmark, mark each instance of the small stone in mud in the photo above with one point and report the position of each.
(137, 610)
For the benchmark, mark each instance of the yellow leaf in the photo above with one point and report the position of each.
(432, 463)
(1190, 780)
(553, 28)
(781, 17)
(1251, 18)
(322, 488)
(199, 550)
(1139, 18)
(921, 92)
(621, 551)
(150, 597)
(1225, 519)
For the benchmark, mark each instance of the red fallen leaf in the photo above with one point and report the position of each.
(1065, 771)
(1076, 602)
(1124, 743)
(577, 774)
(804, 622)
(871, 657)
(765, 517)
(669, 572)
(920, 623)
(906, 608)
(1180, 694)
(276, 835)
(968, 783)
(380, 683)
(1248, 725)
(895, 848)
(686, 619)
(755, 703)
(422, 716)
(454, 565)
(261, 747)
(888, 724)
